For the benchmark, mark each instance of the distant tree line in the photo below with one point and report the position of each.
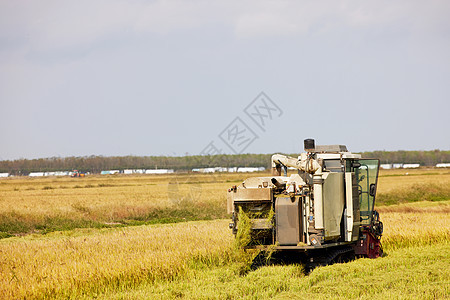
(424, 158)
(95, 164)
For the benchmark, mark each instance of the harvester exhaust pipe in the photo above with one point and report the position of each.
(309, 145)
(277, 183)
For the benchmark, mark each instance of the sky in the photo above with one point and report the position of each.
(81, 78)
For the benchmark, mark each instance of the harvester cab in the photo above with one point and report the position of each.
(323, 212)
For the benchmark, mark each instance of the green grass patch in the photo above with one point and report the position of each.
(15, 223)
(4, 235)
(425, 192)
(178, 213)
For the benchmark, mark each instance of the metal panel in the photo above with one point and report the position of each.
(356, 208)
(230, 206)
(262, 182)
(348, 218)
(253, 194)
(288, 220)
(333, 204)
(331, 148)
(261, 224)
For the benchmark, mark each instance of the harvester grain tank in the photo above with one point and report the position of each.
(321, 214)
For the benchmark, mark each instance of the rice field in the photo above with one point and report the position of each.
(191, 259)
(32, 205)
(96, 261)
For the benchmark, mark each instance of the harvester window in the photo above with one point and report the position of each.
(333, 165)
(367, 175)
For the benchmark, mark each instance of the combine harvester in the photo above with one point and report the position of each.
(323, 214)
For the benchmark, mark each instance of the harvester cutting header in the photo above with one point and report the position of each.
(323, 213)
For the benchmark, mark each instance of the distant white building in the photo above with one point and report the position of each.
(110, 172)
(4, 175)
(62, 173)
(410, 166)
(443, 165)
(230, 170)
(133, 171)
(53, 173)
(36, 174)
(397, 166)
(204, 170)
(158, 171)
(386, 166)
(250, 169)
(214, 170)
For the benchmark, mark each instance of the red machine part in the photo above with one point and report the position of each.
(369, 245)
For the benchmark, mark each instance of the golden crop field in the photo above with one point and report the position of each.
(390, 180)
(47, 204)
(98, 255)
